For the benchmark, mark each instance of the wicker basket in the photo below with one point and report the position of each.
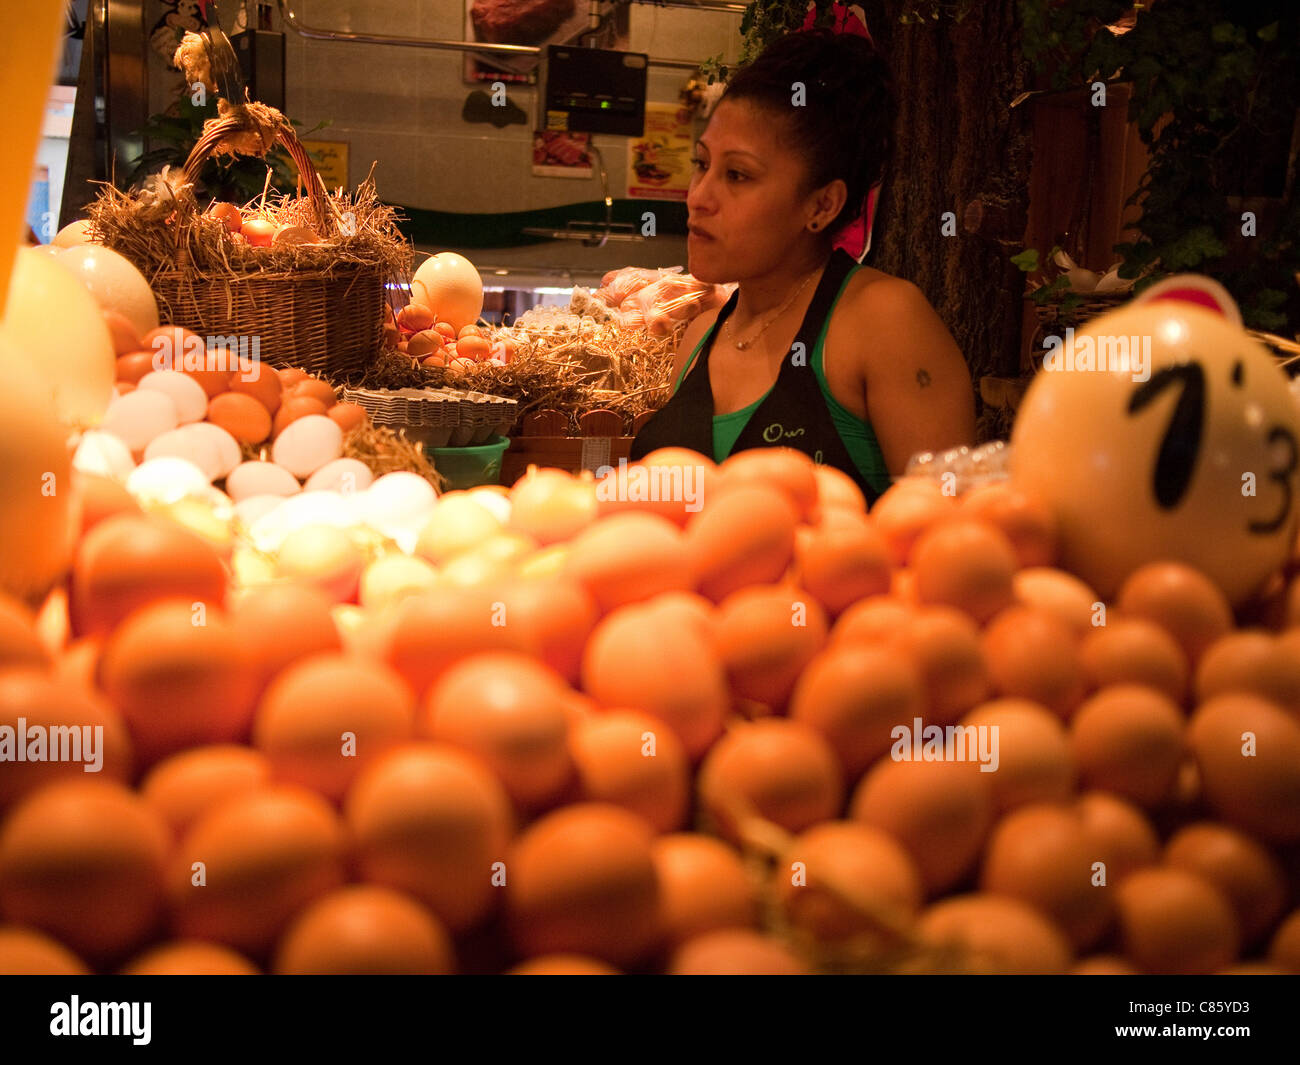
(325, 315)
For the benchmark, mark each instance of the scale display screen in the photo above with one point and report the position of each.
(595, 90)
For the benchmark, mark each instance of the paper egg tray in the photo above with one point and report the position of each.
(437, 417)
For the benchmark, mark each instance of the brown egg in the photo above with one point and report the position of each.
(855, 696)
(1033, 654)
(1175, 922)
(509, 711)
(129, 561)
(842, 560)
(123, 387)
(1247, 874)
(907, 509)
(252, 861)
(120, 328)
(836, 490)
(873, 620)
(83, 861)
(783, 468)
(673, 483)
(1248, 752)
(1032, 752)
(1104, 965)
(186, 352)
(563, 965)
(294, 407)
(1062, 593)
(682, 684)
(940, 812)
(778, 770)
(629, 759)
(735, 952)
(628, 558)
(313, 388)
(292, 620)
(433, 822)
(101, 498)
(431, 632)
(1043, 855)
(364, 930)
(996, 935)
(181, 677)
(1128, 739)
(944, 645)
(1135, 651)
(765, 635)
(1181, 600)
(1251, 660)
(190, 957)
(703, 886)
(258, 380)
(965, 564)
(185, 786)
(20, 645)
(348, 416)
(1028, 524)
(414, 317)
(582, 880)
(324, 719)
(241, 416)
(27, 952)
(842, 880)
(290, 376)
(60, 730)
(1284, 949)
(132, 366)
(745, 536)
(557, 615)
(1121, 834)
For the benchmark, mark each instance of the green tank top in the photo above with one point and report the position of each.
(858, 436)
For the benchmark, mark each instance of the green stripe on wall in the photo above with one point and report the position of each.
(505, 229)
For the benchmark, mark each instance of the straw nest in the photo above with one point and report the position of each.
(381, 449)
(597, 366)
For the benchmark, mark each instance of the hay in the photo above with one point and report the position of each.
(568, 370)
(381, 449)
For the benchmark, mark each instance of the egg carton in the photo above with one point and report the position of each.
(438, 417)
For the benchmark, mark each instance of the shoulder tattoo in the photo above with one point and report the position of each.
(922, 378)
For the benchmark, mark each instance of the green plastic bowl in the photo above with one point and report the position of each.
(466, 467)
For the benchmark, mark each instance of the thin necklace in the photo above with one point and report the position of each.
(745, 345)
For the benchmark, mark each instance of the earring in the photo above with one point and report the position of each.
(814, 226)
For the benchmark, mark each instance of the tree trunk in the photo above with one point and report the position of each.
(961, 149)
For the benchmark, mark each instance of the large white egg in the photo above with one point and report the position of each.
(228, 451)
(188, 395)
(341, 475)
(494, 502)
(450, 286)
(298, 512)
(393, 577)
(183, 444)
(324, 556)
(305, 445)
(165, 480)
(73, 234)
(252, 509)
(250, 479)
(104, 454)
(55, 327)
(140, 416)
(115, 283)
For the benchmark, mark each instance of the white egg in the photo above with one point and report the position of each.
(115, 283)
(393, 577)
(253, 509)
(399, 497)
(103, 453)
(139, 417)
(165, 480)
(304, 446)
(227, 446)
(298, 512)
(493, 502)
(250, 479)
(193, 447)
(341, 475)
(73, 234)
(188, 395)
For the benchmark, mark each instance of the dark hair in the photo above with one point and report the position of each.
(845, 128)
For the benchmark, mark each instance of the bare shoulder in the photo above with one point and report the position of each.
(885, 295)
(695, 331)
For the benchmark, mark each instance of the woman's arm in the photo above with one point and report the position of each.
(918, 388)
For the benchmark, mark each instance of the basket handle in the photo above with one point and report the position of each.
(241, 129)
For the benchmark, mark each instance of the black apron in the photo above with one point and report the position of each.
(794, 414)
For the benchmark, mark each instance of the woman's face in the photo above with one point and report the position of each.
(747, 204)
